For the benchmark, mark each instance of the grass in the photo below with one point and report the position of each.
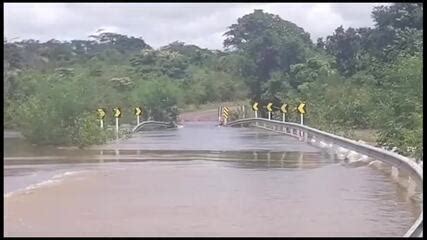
(367, 135)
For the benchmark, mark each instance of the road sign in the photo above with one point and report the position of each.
(255, 109)
(255, 106)
(101, 113)
(117, 112)
(225, 112)
(284, 108)
(269, 107)
(301, 108)
(117, 115)
(138, 111)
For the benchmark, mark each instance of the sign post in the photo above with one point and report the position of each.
(101, 115)
(244, 111)
(284, 110)
(117, 127)
(255, 109)
(269, 110)
(138, 112)
(117, 115)
(301, 109)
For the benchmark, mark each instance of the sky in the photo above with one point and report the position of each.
(159, 24)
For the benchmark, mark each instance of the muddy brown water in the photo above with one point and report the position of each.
(198, 180)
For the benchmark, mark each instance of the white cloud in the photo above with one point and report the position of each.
(161, 23)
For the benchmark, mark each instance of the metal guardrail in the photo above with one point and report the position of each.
(400, 162)
(140, 126)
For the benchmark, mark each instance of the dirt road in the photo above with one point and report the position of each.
(205, 115)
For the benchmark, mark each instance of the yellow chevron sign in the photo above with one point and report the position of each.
(255, 106)
(284, 108)
(117, 112)
(301, 108)
(269, 107)
(101, 113)
(225, 112)
(138, 111)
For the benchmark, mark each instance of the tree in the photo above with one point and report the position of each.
(172, 64)
(345, 45)
(267, 44)
(122, 43)
(320, 44)
(392, 22)
(399, 113)
(194, 53)
(399, 16)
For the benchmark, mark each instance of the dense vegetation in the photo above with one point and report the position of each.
(365, 78)
(52, 88)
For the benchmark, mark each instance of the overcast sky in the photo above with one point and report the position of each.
(158, 24)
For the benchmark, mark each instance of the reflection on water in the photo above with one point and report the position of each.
(268, 158)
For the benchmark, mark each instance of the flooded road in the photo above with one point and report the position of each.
(199, 180)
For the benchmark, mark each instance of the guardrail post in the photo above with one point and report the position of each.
(301, 137)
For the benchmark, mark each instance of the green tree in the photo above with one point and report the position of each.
(399, 113)
(267, 43)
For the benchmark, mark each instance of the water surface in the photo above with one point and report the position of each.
(199, 180)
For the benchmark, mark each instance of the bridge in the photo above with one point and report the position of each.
(349, 149)
(150, 125)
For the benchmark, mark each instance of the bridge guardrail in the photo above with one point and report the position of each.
(153, 123)
(394, 159)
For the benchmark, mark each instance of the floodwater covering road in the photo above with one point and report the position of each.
(198, 180)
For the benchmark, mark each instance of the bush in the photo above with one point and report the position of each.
(87, 131)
